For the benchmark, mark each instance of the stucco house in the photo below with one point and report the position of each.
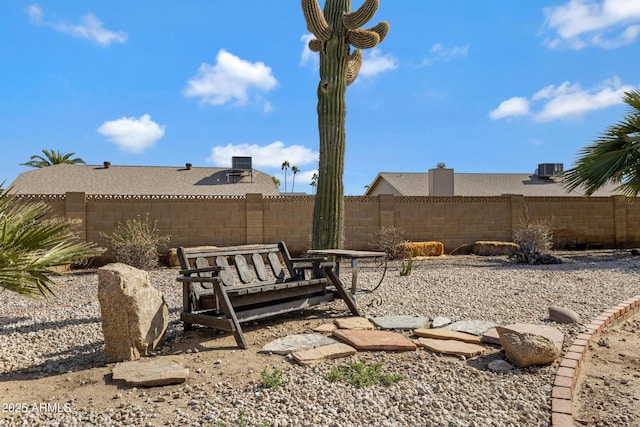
(442, 181)
(108, 179)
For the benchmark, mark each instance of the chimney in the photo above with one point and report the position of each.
(188, 166)
(441, 181)
(107, 164)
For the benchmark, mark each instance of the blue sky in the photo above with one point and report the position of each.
(489, 86)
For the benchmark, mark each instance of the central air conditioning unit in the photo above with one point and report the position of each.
(550, 170)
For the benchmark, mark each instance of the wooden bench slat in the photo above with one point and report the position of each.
(258, 264)
(276, 266)
(224, 274)
(243, 269)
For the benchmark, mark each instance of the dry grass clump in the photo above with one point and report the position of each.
(425, 248)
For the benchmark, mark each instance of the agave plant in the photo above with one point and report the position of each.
(31, 242)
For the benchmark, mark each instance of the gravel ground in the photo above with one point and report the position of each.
(51, 339)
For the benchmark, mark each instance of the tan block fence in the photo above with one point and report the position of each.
(233, 220)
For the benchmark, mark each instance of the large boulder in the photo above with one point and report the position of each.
(527, 345)
(134, 314)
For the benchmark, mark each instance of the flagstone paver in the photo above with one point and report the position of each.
(354, 323)
(400, 322)
(331, 351)
(491, 337)
(151, 372)
(450, 347)
(446, 334)
(325, 327)
(296, 342)
(440, 322)
(375, 340)
(475, 327)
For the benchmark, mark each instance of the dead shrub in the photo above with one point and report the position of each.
(392, 241)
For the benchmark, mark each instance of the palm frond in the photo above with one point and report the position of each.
(614, 157)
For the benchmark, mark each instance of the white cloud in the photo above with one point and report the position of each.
(131, 134)
(516, 106)
(441, 53)
(565, 101)
(270, 156)
(307, 55)
(374, 63)
(603, 23)
(90, 27)
(231, 78)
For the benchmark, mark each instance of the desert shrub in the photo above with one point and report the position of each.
(392, 241)
(136, 242)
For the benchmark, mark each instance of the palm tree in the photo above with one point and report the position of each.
(276, 182)
(295, 170)
(614, 157)
(51, 158)
(285, 167)
(31, 242)
(314, 181)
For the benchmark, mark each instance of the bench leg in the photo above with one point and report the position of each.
(344, 294)
(228, 311)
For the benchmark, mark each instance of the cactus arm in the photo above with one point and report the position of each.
(363, 39)
(353, 67)
(316, 23)
(382, 29)
(315, 45)
(361, 16)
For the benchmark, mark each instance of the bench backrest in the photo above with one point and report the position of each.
(242, 264)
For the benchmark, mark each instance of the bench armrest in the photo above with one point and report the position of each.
(211, 269)
(310, 259)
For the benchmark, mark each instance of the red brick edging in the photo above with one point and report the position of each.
(569, 369)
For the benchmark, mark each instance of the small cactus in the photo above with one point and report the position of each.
(405, 270)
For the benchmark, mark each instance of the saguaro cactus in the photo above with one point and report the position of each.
(339, 40)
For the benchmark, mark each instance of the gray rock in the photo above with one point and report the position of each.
(499, 365)
(563, 315)
(134, 314)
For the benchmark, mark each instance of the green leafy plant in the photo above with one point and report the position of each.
(136, 242)
(405, 270)
(362, 375)
(31, 242)
(273, 380)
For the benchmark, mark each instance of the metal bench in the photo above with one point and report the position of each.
(224, 287)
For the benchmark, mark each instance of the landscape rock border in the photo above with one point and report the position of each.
(569, 370)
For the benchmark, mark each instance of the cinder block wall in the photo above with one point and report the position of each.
(454, 221)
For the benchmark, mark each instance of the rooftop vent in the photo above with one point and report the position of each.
(107, 164)
(188, 166)
(550, 170)
(441, 165)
